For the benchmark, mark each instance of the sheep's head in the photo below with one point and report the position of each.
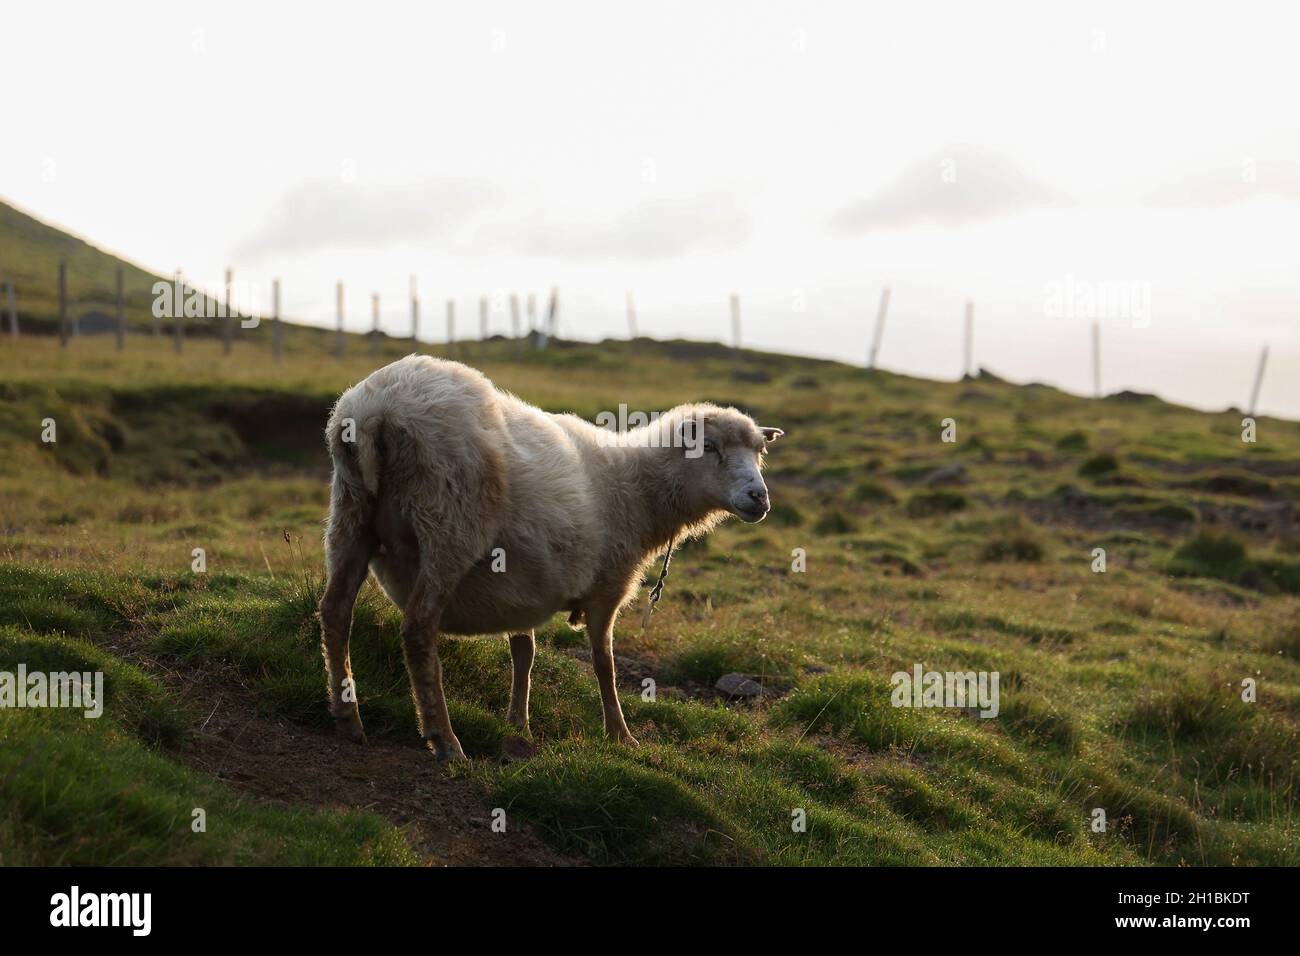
(723, 450)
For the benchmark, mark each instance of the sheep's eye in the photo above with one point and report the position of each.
(710, 446)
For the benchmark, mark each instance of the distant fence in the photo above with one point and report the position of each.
(180, 301)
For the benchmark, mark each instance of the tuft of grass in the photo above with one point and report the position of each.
(1218, 555)
(873, 493)
(930, 503)
(1073, 441)
(1100, 464)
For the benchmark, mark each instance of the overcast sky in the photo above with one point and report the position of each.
(1138, 164)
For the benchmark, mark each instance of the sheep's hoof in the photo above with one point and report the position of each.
(519, 723)
(627, 740)
(350, 727)
(445, 753)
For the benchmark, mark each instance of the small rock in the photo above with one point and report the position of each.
(947, 475)
(739, 685)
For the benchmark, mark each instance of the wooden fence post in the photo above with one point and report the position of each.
(415, 314)
(532, 314)
(228, 322)
(178, 315)
(514, 321)
(13, 308)
(451, 327)
(1096, 360)
(553, 313)
(374, 323)
(157, 320)
(338, 333)
(276, 328)
(63, 304)
(881, 312)
(1259, 381)
(121, 308)
(969, 349)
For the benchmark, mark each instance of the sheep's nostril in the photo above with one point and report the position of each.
(759, 498)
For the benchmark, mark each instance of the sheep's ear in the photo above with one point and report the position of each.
(770, 434)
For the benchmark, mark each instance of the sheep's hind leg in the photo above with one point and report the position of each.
(348, 546)
(420, 620)
(522, 649)
(600, 630)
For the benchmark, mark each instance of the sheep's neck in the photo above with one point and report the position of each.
(666, 509)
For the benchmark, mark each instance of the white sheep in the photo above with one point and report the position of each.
(482, 514)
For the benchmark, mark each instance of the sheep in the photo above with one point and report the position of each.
(481, 514)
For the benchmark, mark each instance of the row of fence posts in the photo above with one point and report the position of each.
(72, 327)
(543, 332)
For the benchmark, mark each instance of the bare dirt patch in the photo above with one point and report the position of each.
(446, 820)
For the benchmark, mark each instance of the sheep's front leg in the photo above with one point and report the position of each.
(600, 630)
(522, 649)
(420, 621)
(348, 549)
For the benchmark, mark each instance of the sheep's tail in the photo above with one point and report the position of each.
(356, 447)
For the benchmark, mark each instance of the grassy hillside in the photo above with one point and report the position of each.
(1120, 690)
(30, 253)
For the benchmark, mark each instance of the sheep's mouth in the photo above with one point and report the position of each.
(750, 515)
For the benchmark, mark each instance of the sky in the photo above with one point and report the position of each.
(1052, 164)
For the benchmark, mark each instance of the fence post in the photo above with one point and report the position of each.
(553, 313)
(514, 321)
(121, 308)
(275, 320)
(1259, 380)
(178, 315)
(415, 314)
(228, 326)
(157, 320)
(532, 314)
(969, 349)
(631, 316)
(735, 321)
(13, 309)
(451, 327)
(1096, 360)
(338, 306)
(880, 327)
(63, 304)
(374, 323)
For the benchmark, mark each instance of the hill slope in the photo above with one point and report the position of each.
(1120, 690)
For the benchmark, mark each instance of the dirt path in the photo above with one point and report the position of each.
(447, 821)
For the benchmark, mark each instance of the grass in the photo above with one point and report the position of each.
(1119, 690)
(103, 792)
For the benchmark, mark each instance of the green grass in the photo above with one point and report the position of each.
(1119, 691)
(104, 791)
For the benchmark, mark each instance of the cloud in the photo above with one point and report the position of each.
(1234, 184)
(653, 230)
(320, 214)
(958, 186)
